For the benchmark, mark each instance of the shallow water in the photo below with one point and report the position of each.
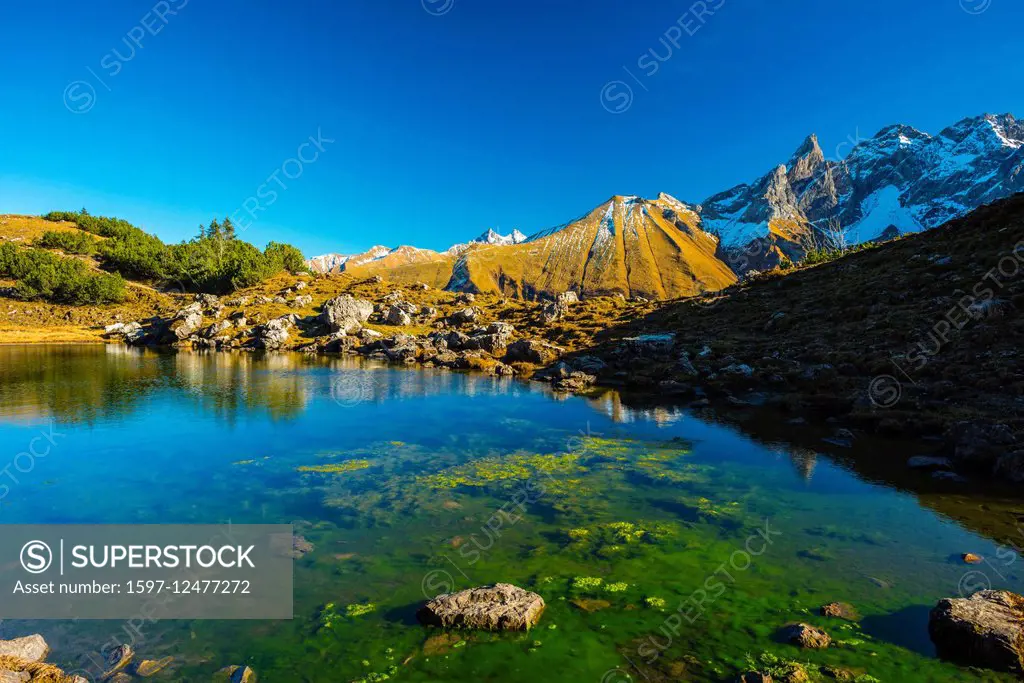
(705, 541)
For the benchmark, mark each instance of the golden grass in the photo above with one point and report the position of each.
(27, 334)
(27, 228)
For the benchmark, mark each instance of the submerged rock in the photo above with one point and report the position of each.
(117, 658)
(500, 607)
(30, 648)
(806, 636)
(150, 667)
(985, 630)
(839, 610)
(236, 674)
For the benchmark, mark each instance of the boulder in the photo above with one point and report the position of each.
(531, 351)
(839, 610)
(554, 311)
(302, 301)
(117, 659)
(218, 328)
(207, 300)
(236, 674)
(395, 315)
(186, 322)
(29, 648)
(15, 676)
(133, 333)
(806, 636)
(464, 316)
(499, 607)
(343, 313)
(567, 298)
(979, 445)
(151, 667)
(984, 630)
(274, 334)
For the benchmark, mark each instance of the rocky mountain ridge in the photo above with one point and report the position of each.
(899, 181)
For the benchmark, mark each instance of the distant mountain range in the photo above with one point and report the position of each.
(901, 180)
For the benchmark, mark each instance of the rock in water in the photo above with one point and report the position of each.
(501, 607)
(29, 648)
(806, 636)
(986, 630)
(839, 610)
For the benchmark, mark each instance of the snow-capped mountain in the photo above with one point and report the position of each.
(901, 180)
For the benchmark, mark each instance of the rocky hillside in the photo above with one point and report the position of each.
(918, 337)
(899, 181)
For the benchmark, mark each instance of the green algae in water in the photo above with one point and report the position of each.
(335, 468)
(389, 537)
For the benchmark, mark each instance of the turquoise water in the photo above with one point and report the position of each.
(667, 546)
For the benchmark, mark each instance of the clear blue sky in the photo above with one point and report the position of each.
(452, 116)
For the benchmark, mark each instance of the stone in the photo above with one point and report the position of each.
(117, 659)
(186, 322)
(273, 335)
(971, 558)
(929, 462)
(567, 298)
(114, 330)
(985, 630)
(301, 547)
(15, 676)
(554, 311)
(342, 313)
(498, 607)
(464, 315)
(839, 610)
(464, 298)
(396, 316)
(531, 351)
(302, 301)
(806, 636)
(236, 674)
(738, 370)
(30, 648)
(978, 444)
(755, 677)
(150, 667)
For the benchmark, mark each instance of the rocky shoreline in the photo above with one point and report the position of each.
(415, 324)
(984, 630)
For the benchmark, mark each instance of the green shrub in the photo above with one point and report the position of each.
(214, 261)
(68, 242)
(57, 279)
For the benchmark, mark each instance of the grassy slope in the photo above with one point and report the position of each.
(641, 253)
(39, 322)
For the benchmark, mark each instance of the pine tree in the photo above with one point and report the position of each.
(214, 231)
(202, 231)
(229, 229)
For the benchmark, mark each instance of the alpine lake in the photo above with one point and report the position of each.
(668, 544)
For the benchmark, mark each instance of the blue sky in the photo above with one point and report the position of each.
(447, 117)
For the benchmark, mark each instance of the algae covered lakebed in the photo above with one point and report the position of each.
(666, 547)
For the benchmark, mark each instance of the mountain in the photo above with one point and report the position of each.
(492, 237)
(627, 245)
(901, 180)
